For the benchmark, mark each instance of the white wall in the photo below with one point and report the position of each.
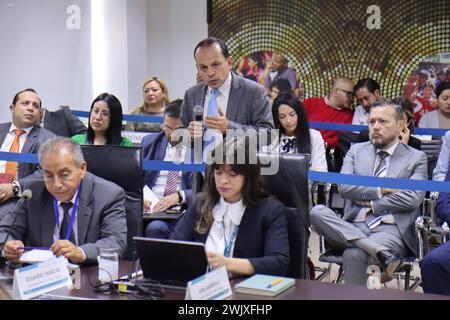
(39, 51)
(151, 37)
(175, 27)
(109, 48)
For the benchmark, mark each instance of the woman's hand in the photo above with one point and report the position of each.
(404, 134)
(216, 260)
(147, 205)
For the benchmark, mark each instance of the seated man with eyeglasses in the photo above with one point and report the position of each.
(335, 107)
(171, 187)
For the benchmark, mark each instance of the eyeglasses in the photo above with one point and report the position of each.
(349, 94)
(169, 129)
(103, 114)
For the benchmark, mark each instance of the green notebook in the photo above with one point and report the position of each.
(264, 285)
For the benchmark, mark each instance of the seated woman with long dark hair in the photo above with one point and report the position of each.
(290, 118)
(242, 228)
(105, 123)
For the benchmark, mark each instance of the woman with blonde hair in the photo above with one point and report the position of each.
(156, 97)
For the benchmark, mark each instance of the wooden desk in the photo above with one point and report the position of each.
(303, 290)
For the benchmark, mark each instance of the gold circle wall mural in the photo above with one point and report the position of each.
(327, 39)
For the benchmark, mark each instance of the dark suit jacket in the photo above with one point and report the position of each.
(34, 140)
(101, 220)
(154, 148)
(262, 237)
(63, 123)
(248, 104)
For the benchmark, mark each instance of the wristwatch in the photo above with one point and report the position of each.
(16, 188)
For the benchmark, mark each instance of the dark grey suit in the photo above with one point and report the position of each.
(101, 221)
(26, 171)
(406, 163)
(63, 123)
(248, 104)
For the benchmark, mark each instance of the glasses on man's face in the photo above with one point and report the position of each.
(349, 94)
(103, 114)
(169, 129)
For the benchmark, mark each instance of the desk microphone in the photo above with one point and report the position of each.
(26, 195)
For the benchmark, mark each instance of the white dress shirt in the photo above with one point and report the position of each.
(226, 217)
(9, 139)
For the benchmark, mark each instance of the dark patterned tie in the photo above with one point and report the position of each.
(66, 222)
(173, 177)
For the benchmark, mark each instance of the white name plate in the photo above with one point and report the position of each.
(36, 279)
(213, 285)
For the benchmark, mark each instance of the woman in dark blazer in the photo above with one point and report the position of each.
(242, 228)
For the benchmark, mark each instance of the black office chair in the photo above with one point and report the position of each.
(123, 166)
(431, 148)
(290, 186)
(334, 256)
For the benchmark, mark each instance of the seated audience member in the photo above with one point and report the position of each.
(279, 63)
(62, 122)
(377, 226)
(296, 137)
(439, 118)
(407, 130)
(335, 107)
(156, 96)
(279, 86)
(95, 205)
(105, 123)
(242, 228)
(440, 171)
(435, 266)
(22, 135)
(171, 187)
(367, 92)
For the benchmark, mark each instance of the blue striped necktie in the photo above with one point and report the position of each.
(380, 171)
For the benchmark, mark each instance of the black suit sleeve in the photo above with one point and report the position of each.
(75, 125)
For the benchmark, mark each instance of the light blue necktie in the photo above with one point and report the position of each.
(209, 137)
(212, 104)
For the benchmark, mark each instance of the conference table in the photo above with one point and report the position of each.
(303, 290)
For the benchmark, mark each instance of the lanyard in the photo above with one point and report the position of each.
(72, 217)
(227, 250)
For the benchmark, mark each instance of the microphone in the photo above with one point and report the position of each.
(198, 113)
(26, 195)
(197, 177)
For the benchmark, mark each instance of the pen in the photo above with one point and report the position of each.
(33, 248)
(274, 282)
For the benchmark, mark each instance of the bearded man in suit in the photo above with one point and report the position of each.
(378, 223)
